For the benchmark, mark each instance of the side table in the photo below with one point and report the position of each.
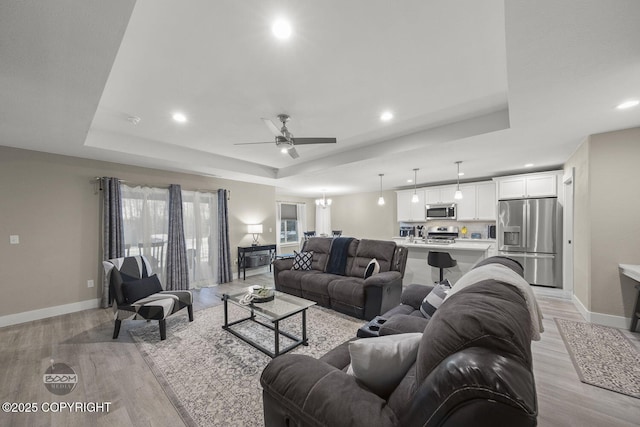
(244, 250)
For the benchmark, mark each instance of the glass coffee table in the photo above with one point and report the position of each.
(269, 314)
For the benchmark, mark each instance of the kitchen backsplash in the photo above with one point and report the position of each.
(472, 226)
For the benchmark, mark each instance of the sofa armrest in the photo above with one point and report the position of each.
(414, 294)
(308, 392)
(403, 324)
(475, 386)
(283, 264)
(382, 293)
(383, 279)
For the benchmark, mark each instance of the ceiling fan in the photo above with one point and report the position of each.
(285, 139)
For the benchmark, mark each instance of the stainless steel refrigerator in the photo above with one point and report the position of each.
(530, 231)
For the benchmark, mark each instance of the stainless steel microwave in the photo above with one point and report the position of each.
(447, 211)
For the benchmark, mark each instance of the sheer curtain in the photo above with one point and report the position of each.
(145, 212)
(323, 220)
(200, 218)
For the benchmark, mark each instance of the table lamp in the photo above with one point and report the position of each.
(256, 231)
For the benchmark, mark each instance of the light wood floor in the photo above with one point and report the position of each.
(114, 371)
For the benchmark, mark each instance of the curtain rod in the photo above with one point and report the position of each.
(122, 181)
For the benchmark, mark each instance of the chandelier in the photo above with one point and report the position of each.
(324, 202)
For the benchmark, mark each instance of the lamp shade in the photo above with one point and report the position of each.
(254, 229)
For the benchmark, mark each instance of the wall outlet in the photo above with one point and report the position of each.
(90, 284)
(14, 239)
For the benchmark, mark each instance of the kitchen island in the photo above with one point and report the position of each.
(467, 252)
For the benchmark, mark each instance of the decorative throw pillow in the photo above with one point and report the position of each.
(302, 260)
(137, 289)
(434, 299)
(380, 363)
(372, 268)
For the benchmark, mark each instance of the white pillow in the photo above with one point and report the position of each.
(372, 268)
(380, 363)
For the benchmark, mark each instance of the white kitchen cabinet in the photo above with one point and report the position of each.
(531, 185)
(440, 195)
(478, 202)
(486, 201)
(467, 205)
(407, 210)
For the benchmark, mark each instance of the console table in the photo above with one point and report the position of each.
(633, 272)
(244, 250)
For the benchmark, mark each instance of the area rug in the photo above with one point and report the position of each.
(212, 377)
(602, 356)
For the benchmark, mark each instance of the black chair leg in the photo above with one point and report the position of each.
(163, 329)
(190, 310)
(116, 329)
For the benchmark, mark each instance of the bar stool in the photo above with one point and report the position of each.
(441, 260)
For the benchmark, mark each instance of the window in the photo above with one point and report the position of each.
(145, 214)
(200, 220)
(289, 232)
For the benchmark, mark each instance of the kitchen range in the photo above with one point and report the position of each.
(442, 235)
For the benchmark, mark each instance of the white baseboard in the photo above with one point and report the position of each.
(600, 318)
(43, 313)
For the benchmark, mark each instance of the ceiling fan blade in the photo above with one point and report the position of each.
(300, 141)
(252, 143)
(293, 153)
(272, 127)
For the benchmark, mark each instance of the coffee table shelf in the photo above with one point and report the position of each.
(270, 313)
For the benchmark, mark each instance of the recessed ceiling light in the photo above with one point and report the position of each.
(409, 180)
(528, 165)
(460, 173)
(386, 116)
(284, 150)
(179, 117)
(281, 29)
(628, 104)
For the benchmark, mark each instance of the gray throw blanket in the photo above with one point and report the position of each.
(337, 263)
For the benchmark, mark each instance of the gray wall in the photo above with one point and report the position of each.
(607, 220)
(51, 202)
(358, 215)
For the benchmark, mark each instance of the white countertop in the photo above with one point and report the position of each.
(630, 270)
(464, 245)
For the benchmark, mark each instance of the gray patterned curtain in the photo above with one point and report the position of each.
(112, 227)
(177, 265)
(225, 274)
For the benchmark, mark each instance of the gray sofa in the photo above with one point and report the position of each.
(350, 293)
(473, 368)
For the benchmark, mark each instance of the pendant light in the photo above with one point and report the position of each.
(458, 194)
(380, 199)
(414, 199)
